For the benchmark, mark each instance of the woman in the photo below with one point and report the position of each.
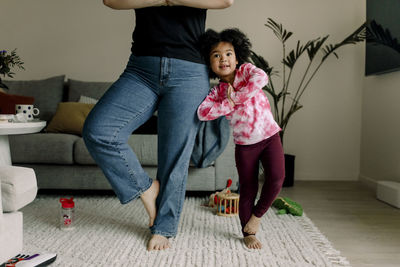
(165, 72)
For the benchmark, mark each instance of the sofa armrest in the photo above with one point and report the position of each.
(225, 167)
(18, 187)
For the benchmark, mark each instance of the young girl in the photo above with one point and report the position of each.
(239, 97)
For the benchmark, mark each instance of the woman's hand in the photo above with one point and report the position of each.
(133, 4)
(205, 4)
(228, 95)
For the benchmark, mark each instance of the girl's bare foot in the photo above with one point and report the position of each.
(252, 225)
(252, 242)
(158, 242)
(149, 200)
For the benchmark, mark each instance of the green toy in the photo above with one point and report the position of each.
(286, 205)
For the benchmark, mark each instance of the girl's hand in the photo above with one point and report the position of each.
(228, 95)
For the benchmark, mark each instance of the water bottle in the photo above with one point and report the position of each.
(67, 220)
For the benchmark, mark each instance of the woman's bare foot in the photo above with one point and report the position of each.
(158, 242)
(252, 242)
(149, 200)
(252, 225)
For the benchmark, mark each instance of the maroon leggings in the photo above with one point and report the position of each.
(270, 153)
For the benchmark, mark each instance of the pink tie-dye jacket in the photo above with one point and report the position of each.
(251, 118)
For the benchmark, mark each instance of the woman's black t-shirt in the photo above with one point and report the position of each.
(169, 32)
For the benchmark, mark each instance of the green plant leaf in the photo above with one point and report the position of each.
(270, 91)
(261, 63)
(294, 55)
(330, 49)
(312, 47)
(315, 46)
(282, 34)
(358, 35)
(8, 61)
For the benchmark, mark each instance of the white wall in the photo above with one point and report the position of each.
(87, 41)
(82, 39)
(380, 142)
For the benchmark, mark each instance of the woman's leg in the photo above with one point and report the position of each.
(126, 105)
(184, 85)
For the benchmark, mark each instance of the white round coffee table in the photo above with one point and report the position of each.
(12, 128)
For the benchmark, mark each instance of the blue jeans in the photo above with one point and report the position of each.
(173, 87)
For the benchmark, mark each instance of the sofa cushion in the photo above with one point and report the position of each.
(18, 187)
(8, 102)
(144, 145)
(42, 148)
(69, 118)
(47, 93)
(89, 89)
(88, 100)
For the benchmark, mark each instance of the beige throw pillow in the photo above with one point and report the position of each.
(69, 118)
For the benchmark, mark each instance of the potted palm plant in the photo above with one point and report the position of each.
(7, 62)
(286, 99)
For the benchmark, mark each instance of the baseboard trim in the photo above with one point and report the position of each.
(369, 182)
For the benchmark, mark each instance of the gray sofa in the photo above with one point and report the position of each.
(61, 160)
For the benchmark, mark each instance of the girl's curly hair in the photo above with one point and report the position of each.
(238, 39)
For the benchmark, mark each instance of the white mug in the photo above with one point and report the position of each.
(27, 110)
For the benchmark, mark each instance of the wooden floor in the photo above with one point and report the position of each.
(365, 230)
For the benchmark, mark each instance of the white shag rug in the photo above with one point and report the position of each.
(110, 234)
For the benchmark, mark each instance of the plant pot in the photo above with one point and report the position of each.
(2, 86)
(289, 170)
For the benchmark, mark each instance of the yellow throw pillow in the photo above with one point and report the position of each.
(69, 118)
